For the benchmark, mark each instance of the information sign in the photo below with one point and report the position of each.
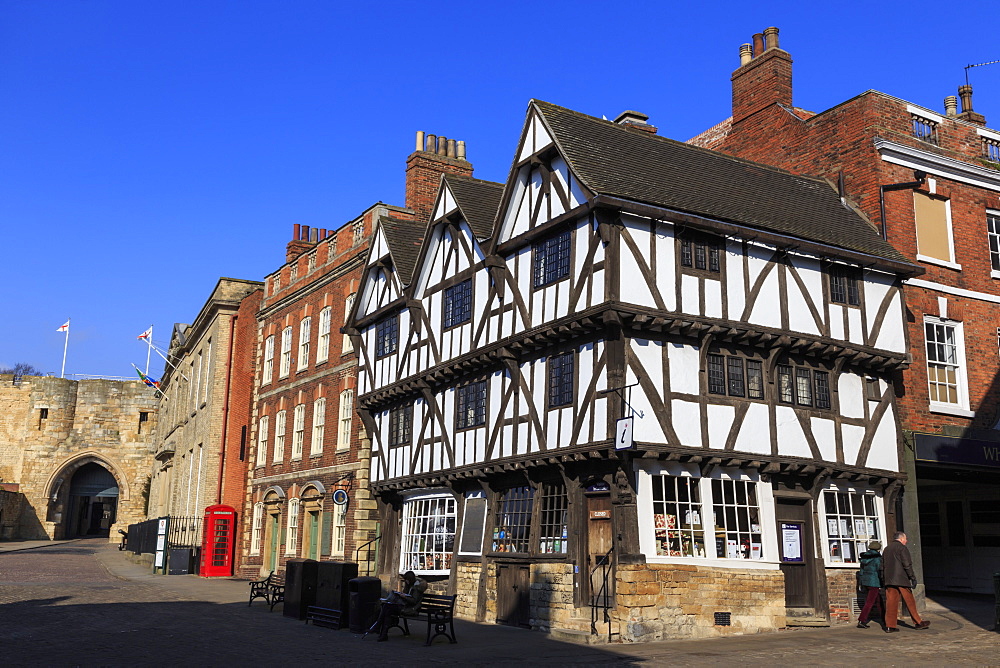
(623, 433)
(791, 543)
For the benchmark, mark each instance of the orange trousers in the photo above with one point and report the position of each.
(892, 596)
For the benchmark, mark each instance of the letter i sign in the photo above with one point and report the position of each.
(623, 433)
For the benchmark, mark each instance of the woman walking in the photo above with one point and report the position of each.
(870, 577)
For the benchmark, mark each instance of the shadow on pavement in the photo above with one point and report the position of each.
(976, 609)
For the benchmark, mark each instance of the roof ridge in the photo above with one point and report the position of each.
(462, 177)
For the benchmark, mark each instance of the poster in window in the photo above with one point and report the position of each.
(845, 528)
(861, 529)
(692, 518)
(848, 552)
(660, 521)
(835, 554)
(871, 528)
(831, 528)
(755, 552)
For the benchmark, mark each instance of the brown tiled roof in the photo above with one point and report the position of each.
(403, 238)
(612, 160)
(478, 201)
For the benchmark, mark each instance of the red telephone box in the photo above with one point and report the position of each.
(218, 542)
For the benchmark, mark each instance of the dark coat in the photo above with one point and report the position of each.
(870, 574)
(897, 566)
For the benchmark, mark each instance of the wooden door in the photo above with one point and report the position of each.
(513, 595)
(797, 554)
(599, 543)
(271, 558)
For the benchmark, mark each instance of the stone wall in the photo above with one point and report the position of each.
(841, 585)
(467, 589)
(551, 596)
(12, 505)
(660, 601)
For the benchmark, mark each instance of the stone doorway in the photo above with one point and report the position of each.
(93, 501)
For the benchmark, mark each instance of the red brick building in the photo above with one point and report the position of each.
(930, 182)
(306, 441)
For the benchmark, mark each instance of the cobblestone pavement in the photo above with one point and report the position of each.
(84, 604)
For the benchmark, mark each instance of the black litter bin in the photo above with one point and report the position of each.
(179, 561)
(365, 594)
(332, 586)
(300, 587)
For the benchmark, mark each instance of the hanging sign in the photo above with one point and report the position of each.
(623, 433)
(340, 497)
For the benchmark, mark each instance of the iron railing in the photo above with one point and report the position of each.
(181, 532)
(601, 599)
(371, 555)
(184, 531)
(141, 538)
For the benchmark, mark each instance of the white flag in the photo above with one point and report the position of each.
(145, 335)
(64, 328)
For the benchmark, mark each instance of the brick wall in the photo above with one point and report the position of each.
(841, 585)
(658, 601)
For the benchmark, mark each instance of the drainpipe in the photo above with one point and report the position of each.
(882, 190)
(225, 407)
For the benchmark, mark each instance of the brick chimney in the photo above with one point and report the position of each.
(433, 157)
(965, 94)
(764, 77)
(303, 238)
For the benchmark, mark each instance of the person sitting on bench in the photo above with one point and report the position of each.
(400, 603)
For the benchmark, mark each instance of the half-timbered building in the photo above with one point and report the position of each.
(642, 388)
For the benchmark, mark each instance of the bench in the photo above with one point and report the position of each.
(271, 589)
(324, 617)
(438, 611)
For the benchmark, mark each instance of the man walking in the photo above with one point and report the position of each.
(899, 580)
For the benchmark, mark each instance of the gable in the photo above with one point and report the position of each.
(445, 203)
(450, 249)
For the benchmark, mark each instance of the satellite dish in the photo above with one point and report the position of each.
(340, 497)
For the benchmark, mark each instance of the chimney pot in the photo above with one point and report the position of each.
(746, 54)
(758, 44)
(460, 150)
(771, 37)
(442, 147)
(420, 140)
(305, 233)
(451, 148)
(430, 145)
(951, 105)
(296, 231)
(965, 92)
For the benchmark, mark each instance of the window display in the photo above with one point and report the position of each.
(851, 522)
(428, 537)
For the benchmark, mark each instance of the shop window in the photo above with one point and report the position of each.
(677, 517)
(700, 253)
(552, 534)
(387, 336)
(851, 521)
(933, 222)
(955, 522)
(560, 370)
(457, 304)
(428, 535)
(737, 519)
(292, 535)
(471, 405)
(552, 259)
(844, 285)
(512, 531)
(401, 425)
(473, 523)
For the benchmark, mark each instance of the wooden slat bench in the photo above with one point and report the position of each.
(271, 589)
(324, 617)
(439, 612)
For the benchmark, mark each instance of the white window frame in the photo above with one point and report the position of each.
(319, 427)
(346, 418)
(292, 533)
(323, 346)
(950, 263)
(256, 531)
(961, 407)
(422, 502)
(765, 503)
(286, 353)
(262, 428)
(299, 431)
(824, 527)
(267, 372)
(339, 532)
(305, 332)
(348, 305)
(280, 422)
(993, 237)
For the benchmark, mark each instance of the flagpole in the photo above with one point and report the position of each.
(62, 373)
(150, 348)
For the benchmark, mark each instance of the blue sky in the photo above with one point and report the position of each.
(148, 148)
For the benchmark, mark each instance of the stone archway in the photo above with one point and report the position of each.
(85, 497)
